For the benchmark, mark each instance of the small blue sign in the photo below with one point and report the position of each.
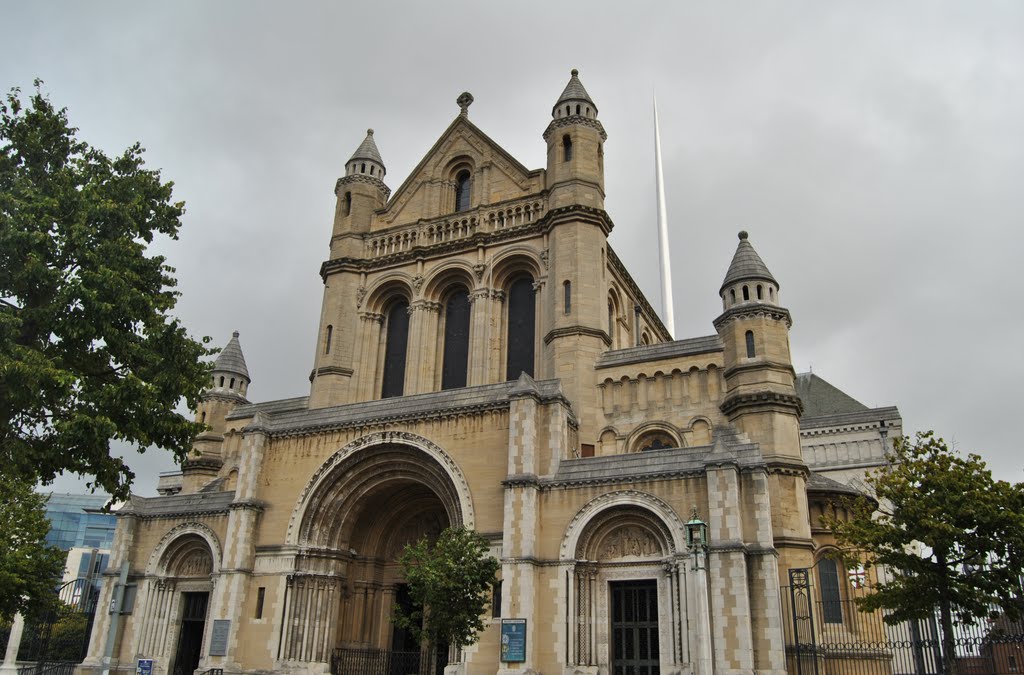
(145, 667)
(513, 640)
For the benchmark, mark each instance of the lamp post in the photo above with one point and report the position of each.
(699, 601)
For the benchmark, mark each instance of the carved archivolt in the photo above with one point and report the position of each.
(366, 462)
(188, 550)
(625, 518)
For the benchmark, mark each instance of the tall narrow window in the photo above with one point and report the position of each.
(611, 323)
(521, 323)
(397, 337)
(456, 340)
(348, 203)
(760, 293)
(732, 296)
(750, 344)
(327, 339)
(746, 294)
(567, 288)
(462, 188)
(261, 594)
(566, 148)
(831, 601)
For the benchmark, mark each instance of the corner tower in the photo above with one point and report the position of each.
(360, 192)
(575, 139)
(760, 394)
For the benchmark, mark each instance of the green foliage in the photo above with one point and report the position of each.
(88, 349)
(29, 569)
(450, 584)
(971, 528)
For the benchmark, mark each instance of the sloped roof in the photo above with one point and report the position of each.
(747, 264)
(368, 150)
(574, 91)
(821, 398)
(816, 482)
(230, 359)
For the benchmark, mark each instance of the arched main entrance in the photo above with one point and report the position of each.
(351, 524)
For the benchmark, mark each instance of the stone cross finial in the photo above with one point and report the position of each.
(464, 100)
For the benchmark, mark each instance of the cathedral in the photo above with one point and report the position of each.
(484, 359)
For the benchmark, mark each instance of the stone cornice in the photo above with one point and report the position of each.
(753, 310)
(362, 178)
(223, 395)
(334, 370)
(575, 121)
(759, 364)
(763, 399)
(201, 463)
(556, 333)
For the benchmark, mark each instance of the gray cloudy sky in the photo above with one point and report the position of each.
(874, 150)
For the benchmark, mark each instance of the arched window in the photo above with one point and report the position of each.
(760, 294)
(521, 321)
(232, 385)
(362, 168)
(456, 340)
(577, 108)
(831, 599)
(771, 293)
(566, 148)
(396, 341)
(567, 288)
(202, 418)
(732, 296)
(746, 294)
(222, 380)
(327, 339)
(750, 344)
(611, 322)
(462, 189)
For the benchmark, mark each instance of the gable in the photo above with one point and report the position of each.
(497, 176)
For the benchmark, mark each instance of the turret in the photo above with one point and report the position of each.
(360, 192)
(575, 139)
(228, 386)
(760, 396)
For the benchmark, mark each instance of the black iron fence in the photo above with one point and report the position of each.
(827, 635)
(348, 661)
(57, 640)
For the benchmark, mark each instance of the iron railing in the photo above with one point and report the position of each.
(350, 661)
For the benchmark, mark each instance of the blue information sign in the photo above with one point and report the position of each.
(513, 640)
(145, 667)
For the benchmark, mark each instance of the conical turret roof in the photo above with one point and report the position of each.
(747, 265)
(230, 359)
(367, 150)
(574, 91)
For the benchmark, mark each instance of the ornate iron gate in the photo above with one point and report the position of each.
(826, 634)
(635, 628)
(57, 640)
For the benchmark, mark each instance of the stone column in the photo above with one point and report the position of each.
(479, 337)
(229, 593)
(367, 355)
(422, 347)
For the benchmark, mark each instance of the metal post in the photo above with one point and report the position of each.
(115, 611)
(10, 666)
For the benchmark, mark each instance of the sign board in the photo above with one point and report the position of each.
(219, 637)
(513, 640)
(145, 667)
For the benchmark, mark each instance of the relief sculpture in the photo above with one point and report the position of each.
(630, 541)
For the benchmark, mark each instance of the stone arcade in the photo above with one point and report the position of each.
(484, 359)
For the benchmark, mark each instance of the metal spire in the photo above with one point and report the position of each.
(666, 265)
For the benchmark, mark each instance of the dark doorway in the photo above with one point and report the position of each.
(635, 628)
(190, 639)
(402, 639)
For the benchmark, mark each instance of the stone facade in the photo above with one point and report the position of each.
(579, 440)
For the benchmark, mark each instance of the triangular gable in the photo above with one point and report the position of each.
(462, 137)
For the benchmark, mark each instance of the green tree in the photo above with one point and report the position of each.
(450, 584)
(88, 349)
(29, 568)
(970, 528)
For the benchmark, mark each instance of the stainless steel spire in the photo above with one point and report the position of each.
(666, 265)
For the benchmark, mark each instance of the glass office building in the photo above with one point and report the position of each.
(75, 522)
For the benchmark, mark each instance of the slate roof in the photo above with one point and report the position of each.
(179, 505)
(230, 359)
(368, 150)
(747, 264)
(706, 344)
(821, 398)
(574, 91)
(819, 483)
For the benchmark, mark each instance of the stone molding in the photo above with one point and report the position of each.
(574, 121)
(568, 331)
(655, 506)
(362, 178)
(652, 316)
(155, 566)
(753, 310)
(764, 399)
(334, 370)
